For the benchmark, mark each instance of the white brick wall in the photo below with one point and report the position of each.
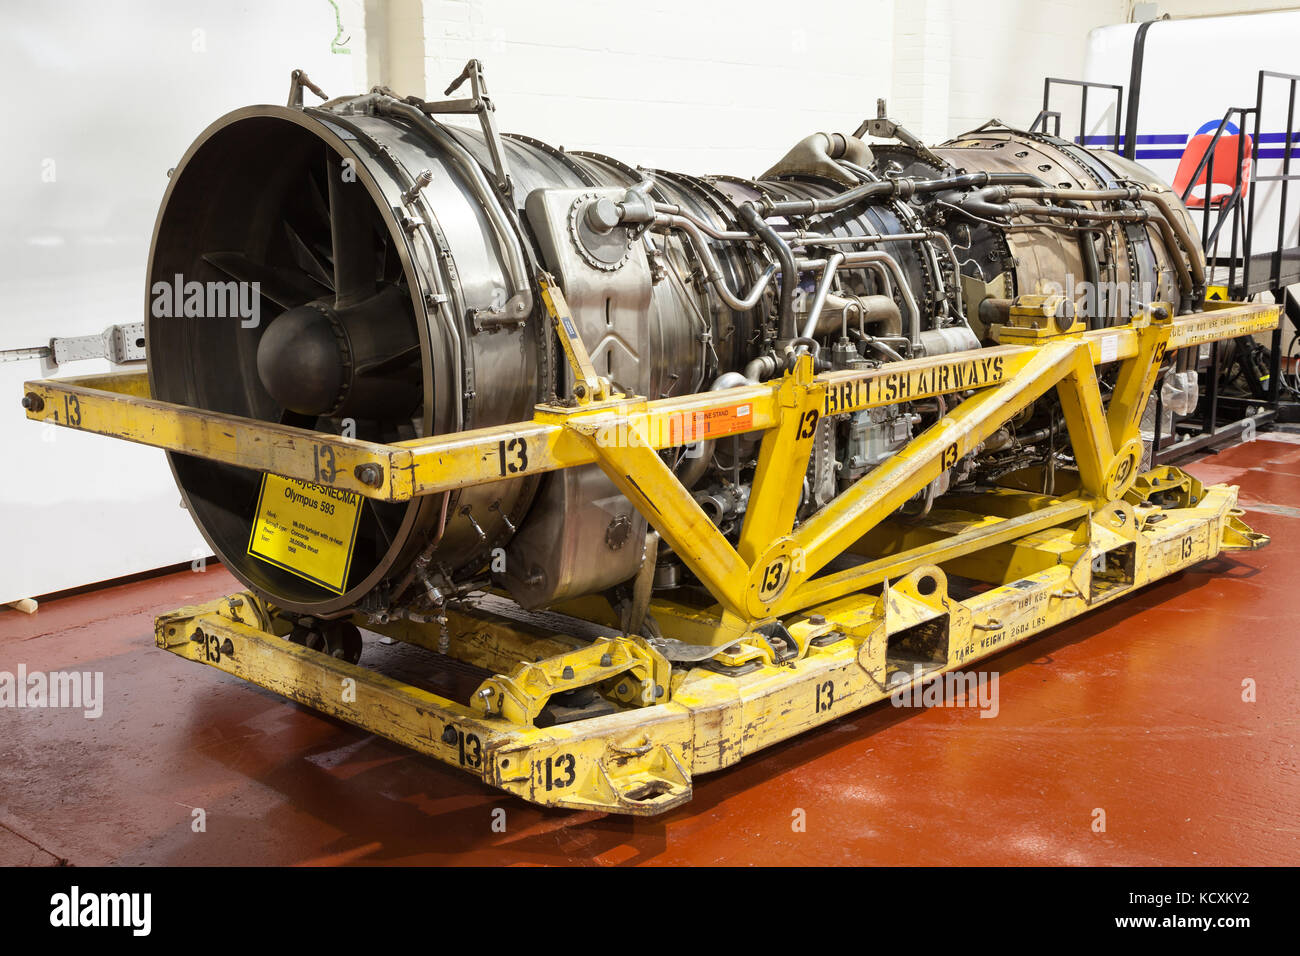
(923, 44)
(706, 86)
(728, 85)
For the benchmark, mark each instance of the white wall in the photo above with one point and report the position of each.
(726, 85)
(1218, 8)
(107, 100)
(719, 86)
(1004, 48)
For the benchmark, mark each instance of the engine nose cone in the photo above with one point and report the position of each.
(303, 360)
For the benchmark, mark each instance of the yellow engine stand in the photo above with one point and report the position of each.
(784, 643)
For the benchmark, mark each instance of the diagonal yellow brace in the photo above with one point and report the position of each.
(782, 461)
(588, 386)
(855, 512)
(1085, 419)
(1137, 378)
(642, 476)
(893, 566)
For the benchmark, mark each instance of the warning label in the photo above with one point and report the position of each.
(306, 529)
(690, 427)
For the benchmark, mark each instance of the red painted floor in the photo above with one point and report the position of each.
(1135, 710)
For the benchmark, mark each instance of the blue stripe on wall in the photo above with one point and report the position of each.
(1179, 139)
(1149, 138)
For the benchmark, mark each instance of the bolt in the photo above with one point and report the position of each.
(579, 391)
(567, 673)
(622, 689)
(816, 620)
(606, 660)
(468, 513)
(423, 179)
(659, 691)
(370, 474)
(33, 402)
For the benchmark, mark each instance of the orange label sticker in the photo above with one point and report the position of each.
(691, 427)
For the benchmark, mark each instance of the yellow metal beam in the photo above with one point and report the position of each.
(869, 574)
(1085, 420)
(638, 471)
(887, 487)
(782, 461)
(1137, 377)
(117, 405)
(587, 384)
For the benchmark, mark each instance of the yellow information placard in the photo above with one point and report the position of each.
(307, 529)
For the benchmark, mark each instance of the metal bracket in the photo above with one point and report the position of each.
(882, 127)
(638, 676)
(477, 102)
(587, 386)
(297, 80)
(120, 344)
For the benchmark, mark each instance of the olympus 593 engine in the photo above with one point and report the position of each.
(400, 264)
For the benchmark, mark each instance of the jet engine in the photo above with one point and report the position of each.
(399, 262)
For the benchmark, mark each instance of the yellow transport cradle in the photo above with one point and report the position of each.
(784, 644)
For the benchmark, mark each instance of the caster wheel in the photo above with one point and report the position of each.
(346, 645)
(338, 639)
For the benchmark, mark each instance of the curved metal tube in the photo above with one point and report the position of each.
(819, 299)
(884, 261)
(789, 273)
(883, 349)
(712, 272)
(520, 304)
(1191, 270)
(819, 155)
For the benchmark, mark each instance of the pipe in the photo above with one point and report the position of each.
(816, 155)
(819, 298)
(870, 308)
(958, 298)
(520, 304)
(896, 189)
(886, 261)
(421, 563)
(1132, 194)
(883, 349)
(929, 235)
(783, 253)
(1000, 201)
(712, 272)
(703, 225)
(760, 369)
(993, 311)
